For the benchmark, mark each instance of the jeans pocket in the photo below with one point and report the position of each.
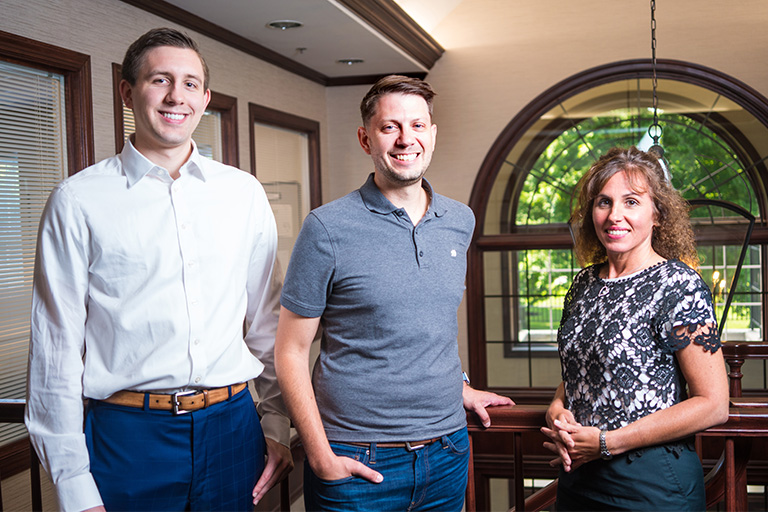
(458, 442)
(338, 481)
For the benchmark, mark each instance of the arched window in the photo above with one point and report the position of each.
(715, 134)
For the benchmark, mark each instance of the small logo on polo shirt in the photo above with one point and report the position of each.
(453, 253)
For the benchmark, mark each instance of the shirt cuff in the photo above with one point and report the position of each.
(278, 427)
(78, 493)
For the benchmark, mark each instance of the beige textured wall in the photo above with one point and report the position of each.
(500, 55)
(104, 29)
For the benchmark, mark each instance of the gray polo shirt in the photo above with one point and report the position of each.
(388, 294)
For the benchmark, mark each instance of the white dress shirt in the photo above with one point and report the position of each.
(142, 282)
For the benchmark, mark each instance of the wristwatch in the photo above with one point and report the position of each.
(604, 453)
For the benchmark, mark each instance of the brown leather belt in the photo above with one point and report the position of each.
(411, 446)
(178, 403)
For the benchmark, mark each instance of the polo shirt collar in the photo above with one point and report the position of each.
(136, 166)
(375, 201)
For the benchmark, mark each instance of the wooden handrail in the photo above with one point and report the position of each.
(12, 411)
(747, 419)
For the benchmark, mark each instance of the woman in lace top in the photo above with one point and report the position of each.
(639, 348)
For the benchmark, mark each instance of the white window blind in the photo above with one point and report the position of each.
(32, 161)
(207, 135)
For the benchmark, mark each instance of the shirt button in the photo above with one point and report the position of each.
(421, 253)
(191, 264)
(197, 341)
(197, 380)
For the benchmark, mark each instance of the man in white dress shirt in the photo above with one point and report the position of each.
(147, 264)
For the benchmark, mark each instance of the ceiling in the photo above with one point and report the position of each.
(380, 33)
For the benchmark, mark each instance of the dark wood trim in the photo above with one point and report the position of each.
(186, 19)
(383, 15)
(14, 457)
(740, 93)
(117, 107)
(76, 69)
(225, 105)
(273, 117)
(367, 79)
(394, 23)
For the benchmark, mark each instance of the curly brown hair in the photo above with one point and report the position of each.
(672, 236)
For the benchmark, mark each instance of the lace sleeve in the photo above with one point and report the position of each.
(569, 297)
(688, 302)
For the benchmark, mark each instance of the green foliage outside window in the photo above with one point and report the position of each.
(701, 164)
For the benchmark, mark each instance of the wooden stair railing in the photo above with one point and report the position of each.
(735, 354)
(748, 418)
(12, 411)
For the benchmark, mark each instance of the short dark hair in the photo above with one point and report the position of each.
(394, 84)
(134, 56)
(672, 235)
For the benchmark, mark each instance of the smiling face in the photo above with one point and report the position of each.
(624, 217)
(168, 98)
(400, 138)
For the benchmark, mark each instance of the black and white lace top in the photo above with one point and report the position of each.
(617, 342)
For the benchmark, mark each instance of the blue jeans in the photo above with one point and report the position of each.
(146, 459)
(430, 478)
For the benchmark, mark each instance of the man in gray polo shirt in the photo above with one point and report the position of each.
(382, 269)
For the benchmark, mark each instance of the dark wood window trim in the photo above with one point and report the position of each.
(385, 16)
(225, 105)
(748, 98)
(76, 69)
(270, 116)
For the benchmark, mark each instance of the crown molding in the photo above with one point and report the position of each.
(385, 16)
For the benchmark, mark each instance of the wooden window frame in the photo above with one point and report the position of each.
(749, 99)
(76, 69)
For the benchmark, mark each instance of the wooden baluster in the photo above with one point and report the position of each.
(470, 500)
(519, 486)
(734, 374)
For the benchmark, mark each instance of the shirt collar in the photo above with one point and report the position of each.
(376, 202)
(136, 165)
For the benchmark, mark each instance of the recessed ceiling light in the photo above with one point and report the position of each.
(350, 62)
(284, 24)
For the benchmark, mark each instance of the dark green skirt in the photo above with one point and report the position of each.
(664, 477)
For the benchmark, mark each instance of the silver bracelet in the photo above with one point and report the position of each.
(605, 454)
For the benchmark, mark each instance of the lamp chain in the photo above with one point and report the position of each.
(655, 129)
